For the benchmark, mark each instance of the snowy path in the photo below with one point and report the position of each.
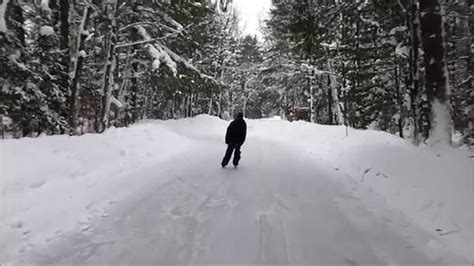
(277, 208)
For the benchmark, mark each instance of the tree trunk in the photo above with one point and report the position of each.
(134, 80)
(78, 62)
(436, 79)
(414, 75)
(219, 106)
(191, 104)
(64, 76)
(244, 108)
(399, 101)
(470, 126)
(134, 92)
(312, 116)
(330, 101)
(209, 112)
(108, 82)
(64, 27)
(173, 109)
(346, 107)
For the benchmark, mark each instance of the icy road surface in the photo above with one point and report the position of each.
(278, 207)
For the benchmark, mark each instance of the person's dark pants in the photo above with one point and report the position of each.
(232, 147)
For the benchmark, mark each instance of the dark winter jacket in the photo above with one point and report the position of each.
(236, 131)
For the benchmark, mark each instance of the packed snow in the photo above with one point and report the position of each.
(304, 193)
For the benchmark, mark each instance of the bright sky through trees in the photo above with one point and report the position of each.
(252, 12)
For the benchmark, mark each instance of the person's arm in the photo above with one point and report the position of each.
(244, 133)
(227, 135)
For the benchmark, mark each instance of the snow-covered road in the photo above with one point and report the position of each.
(278, 207)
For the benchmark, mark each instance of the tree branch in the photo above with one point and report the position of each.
(146, 41)
(401, 6)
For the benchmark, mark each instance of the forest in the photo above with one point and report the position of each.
(82, 66)
(165, 132)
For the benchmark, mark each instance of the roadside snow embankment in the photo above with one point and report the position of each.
(431, 186)
(57, 183)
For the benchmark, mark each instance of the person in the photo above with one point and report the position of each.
(234, 138)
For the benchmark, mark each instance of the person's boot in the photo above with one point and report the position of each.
(236, 159)
(224, 163)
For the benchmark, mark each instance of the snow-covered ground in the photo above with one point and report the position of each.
(54, 184)
(305, 193)
(434, 187)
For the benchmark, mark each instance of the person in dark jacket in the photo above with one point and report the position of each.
(234, 138)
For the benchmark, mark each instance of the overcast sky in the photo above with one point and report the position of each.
(251, 12)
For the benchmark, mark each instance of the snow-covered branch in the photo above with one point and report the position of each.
(144, 41)
(156, 24)
(136, 24)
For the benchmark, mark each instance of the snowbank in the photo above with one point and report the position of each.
(433, 187)
(54, 184)
(201, 126)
